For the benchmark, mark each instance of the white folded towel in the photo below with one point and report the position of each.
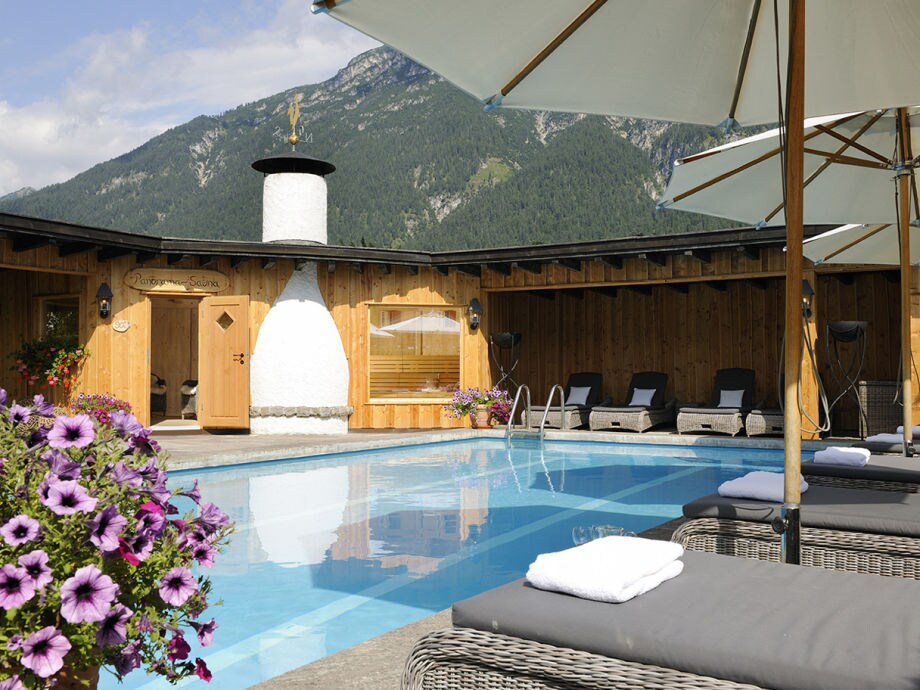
(900, 430)
(613, 569)
(843, 455)
(886, 438)
(759, 485)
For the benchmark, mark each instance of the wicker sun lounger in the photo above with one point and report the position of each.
(576, 414)
(764, 423)
(722, 623)
(726, 415)
(882, 473)
(858, 530)
(636, 414)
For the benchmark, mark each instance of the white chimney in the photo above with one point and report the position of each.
(298, 372)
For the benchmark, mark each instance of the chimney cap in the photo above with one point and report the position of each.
(293, 162)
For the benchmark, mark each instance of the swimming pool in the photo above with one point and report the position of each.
(334, 550)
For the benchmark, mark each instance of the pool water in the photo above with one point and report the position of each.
(332, 551)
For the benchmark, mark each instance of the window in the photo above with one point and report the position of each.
(414, 351)
(60, 317)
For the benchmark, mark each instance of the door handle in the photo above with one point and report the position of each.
(241, 358)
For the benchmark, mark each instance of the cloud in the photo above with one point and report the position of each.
(130, 85)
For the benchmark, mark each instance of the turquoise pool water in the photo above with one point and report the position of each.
(332, 551)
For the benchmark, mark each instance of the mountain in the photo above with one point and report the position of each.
(419, 165)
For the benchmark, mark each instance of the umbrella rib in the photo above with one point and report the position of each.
(852, 142)
(861, 238)
(824, 166)
(555, 43)
(745, 55)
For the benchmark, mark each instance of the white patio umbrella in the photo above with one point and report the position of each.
(704, 61)
(861, 245)
(858, 168)
(432, 322)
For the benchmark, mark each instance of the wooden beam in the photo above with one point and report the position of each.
(752, 253)
(645, 290)
(173, 259)
(657, 258)
(24, 244)
(535, 267)
(443, 270)
(501, 269)
(576, 293)
(680, 288)
(411, 269)
(357, 267)
(385, 269)
(300, 263)
(74, 248)
(330, 266)
(144, 257)
(470, 269)
(571, 264)
(109, 253)
(205, 261)
(701, 255)
(268, 263)
(611, 260)
(605, 290)
(237, 261)
(719, 285)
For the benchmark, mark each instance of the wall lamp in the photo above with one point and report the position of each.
(475, 310)
(807, 296)
(104, 298)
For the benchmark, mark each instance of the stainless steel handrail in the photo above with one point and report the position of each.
(517, 398)
(549, 401)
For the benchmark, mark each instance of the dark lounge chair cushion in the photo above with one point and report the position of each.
(770, 624)
(887, 468)
(648, 380)
(586, 379)
(881, 448)
(827, 507)
(734, 379)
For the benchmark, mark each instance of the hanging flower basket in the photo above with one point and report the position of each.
(49, 361)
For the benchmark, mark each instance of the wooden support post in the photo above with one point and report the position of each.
(915, 333)
(810, 412)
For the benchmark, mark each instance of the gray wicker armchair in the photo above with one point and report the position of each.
(732, 397)
(638, 412)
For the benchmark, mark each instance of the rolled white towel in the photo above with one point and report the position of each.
(915, 434)
(759, 485)
(886, 438)
(613, 569)
(842, 455)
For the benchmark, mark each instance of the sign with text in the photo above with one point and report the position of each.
(176, 280)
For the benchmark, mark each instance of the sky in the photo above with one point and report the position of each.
(84, 82)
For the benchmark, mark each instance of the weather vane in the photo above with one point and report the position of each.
(294, 116)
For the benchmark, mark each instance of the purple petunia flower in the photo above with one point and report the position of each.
(39, 436)
(3, 396)
(61, 465)
(143, 444)
(159, 492)
(43, 652)
(20, 530)
(212, 517)
(14, 643)
(87, 596)
(124, 423)
(177, 586)
(124, 475)
(36, 566)
(143, 624)
(151, 518)
(68, 497)
(202, 670)
(72, 432)
(177, 648)
(112, 629)
(19, 414)
(204, 553)
(129, 659)
(194, 493)
(12, 683)
(43, 408)
(105, 527)
(16, 587)
(205, 631)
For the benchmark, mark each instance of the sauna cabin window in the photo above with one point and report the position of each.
(414, 352)
(59, 316)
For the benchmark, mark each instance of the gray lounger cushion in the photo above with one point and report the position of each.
(770, 624)
(886, 468)
(711, 410)
(886, 448)
(827, 507)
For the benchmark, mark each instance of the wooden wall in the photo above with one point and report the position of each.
(348, 294)
(174, 345)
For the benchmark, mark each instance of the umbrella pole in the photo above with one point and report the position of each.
(795, 143)
(904, 173)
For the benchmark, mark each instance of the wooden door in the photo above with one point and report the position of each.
(223, 362)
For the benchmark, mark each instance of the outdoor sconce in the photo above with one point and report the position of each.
(807, 295)
(104, 298)
(475, 310)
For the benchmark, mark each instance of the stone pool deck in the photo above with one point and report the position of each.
(377, 663)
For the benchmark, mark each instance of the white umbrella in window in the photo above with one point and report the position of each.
(379, 332)
(857, 168)
(704, 61)
(432, 322)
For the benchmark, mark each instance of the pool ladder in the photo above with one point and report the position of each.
(523, 391)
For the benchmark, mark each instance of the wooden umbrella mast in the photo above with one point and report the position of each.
(904, 170)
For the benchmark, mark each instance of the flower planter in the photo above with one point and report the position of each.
(480, 417)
